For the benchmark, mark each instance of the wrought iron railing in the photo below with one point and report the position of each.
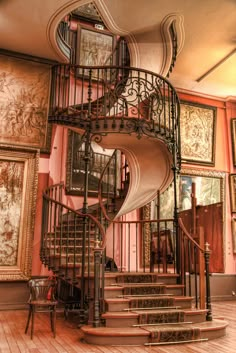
(194, 258)
(151, 246)
(160, 246)
(174, 42)
(115, 99)
(74, 246)
(68, 238)
(67, 41)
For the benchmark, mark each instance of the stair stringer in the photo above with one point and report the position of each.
(149, 163)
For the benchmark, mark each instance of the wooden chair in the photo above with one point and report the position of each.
(42, 299)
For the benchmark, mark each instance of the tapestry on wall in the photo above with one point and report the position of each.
(24, 96)
(18, 186)
(197, 126)
(11, 187)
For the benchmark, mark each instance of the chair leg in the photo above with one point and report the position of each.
(53, 320)
(32, 322)
(28, 319)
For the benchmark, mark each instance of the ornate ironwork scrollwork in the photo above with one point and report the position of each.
(116, 99)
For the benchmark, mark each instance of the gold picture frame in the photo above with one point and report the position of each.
(197, 126)
(232, 188)
(24, 102)
(210, 193)
(18, 188)
(233, 138)
(94, 48)
(233, 223)
(210, 187)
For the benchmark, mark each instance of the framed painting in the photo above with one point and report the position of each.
(233, 139)
(234, 234)
(18, 187)
(197, 126)
(210, 209)
(94, 48)
(209, 185)
(24, 87)
(75, 166)
(232, 188)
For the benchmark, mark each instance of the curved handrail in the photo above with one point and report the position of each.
(100, 191)
(63, 44)
(187, 234)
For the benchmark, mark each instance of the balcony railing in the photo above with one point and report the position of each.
(115, 99)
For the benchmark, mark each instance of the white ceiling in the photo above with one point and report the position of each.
(205, 65)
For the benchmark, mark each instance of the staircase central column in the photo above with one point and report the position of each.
(87, 157)
(83, 315)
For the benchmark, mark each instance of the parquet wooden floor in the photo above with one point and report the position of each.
(68, 338)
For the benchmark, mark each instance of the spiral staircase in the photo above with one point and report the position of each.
(135, 112)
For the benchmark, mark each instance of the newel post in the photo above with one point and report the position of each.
(97, 264)
(208, 291)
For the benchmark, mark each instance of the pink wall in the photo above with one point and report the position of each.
(226, 110)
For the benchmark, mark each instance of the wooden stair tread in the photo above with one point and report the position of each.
(117, 300)
(113, 288)
(106, 332)
(202, 326)
(136, 285)
(167, 275)
(128, 298)
(180, 298)
(134, 312)
(148, 296)
(158, 311)
(113, 331)
(120, 314)
(178, 326)
(215, 324)
(195, 311)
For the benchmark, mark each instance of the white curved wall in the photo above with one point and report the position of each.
(149, 165)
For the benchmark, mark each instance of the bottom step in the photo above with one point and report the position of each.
(143, 336)
(175, 342)
(115, 336)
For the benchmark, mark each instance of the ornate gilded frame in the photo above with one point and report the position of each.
(94, 48)
(207, 174)
(232, 188)
(167, 200)
(24, 102)
(18, 188)
(233, 139)
(221, 177)
(197, 126)
(233, 223)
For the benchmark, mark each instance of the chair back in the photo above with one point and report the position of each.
(42, 289)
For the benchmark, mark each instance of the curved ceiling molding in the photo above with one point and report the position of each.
(177, 20)
(107, 18)
(112, 26)
(54, 21)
